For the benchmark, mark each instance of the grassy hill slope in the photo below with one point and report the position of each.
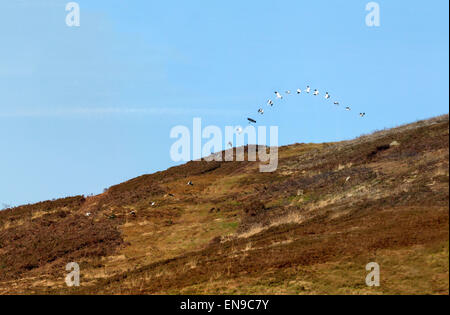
(308, 228)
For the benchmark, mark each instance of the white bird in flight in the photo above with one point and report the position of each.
(278, 95)
(239, 130)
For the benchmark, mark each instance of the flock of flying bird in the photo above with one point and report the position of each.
(299, 91)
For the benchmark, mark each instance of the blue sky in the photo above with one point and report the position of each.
(84, 108)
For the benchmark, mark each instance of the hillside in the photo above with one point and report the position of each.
(308, 228)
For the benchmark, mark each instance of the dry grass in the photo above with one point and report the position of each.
(308, 228)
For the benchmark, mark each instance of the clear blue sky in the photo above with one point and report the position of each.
(84, 108)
